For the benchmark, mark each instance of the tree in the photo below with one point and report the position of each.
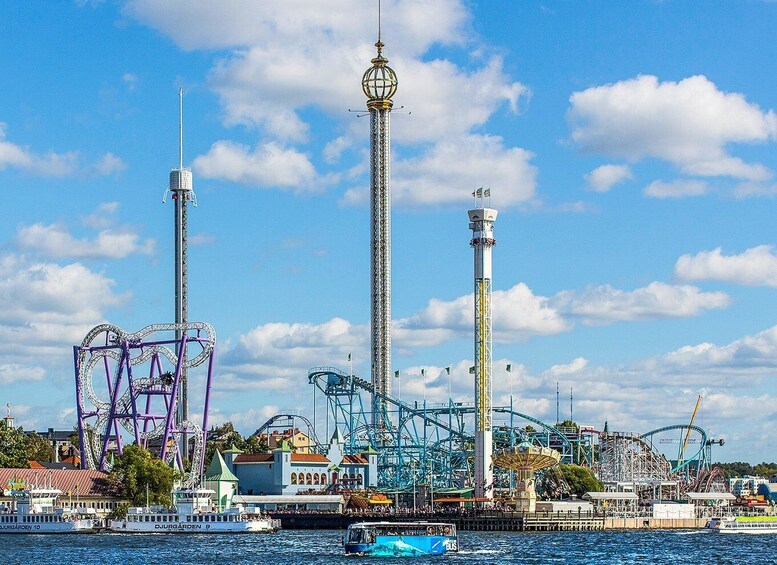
(37, 448)
(566, 480)
(138, 477)
(12, 448)
(580, 479)
(227, 437)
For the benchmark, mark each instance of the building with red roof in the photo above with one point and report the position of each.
(286, 471)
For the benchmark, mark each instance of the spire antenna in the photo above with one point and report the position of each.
(180, 127)
(379, 21)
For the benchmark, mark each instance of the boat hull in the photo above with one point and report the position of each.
(250, 527)
(72, 527)
(742, 526)
(404, 546)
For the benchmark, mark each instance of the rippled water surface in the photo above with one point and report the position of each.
(323, 546)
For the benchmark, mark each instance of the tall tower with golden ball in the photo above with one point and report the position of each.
(379, 84)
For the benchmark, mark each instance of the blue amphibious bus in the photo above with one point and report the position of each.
(400, 538)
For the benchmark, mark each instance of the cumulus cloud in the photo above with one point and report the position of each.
(15, 373)
(517, 315)
(49, 164)
(109, 164)
(676, 189)
(756, 266)
(603, 178)
(44, 310)
(268, 165)
(52, 164)
(449, 171)
(275, 72)
(56, 241)
(688, 123)
(605, 304)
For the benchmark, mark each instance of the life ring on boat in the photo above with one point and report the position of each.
(429, 530)
(446, 530)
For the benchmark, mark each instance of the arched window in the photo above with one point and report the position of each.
(309, 479)
(315, 478)
(323, 478)
(359, 479)
(294, 478)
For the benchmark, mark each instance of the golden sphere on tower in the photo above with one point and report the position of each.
(379, 82)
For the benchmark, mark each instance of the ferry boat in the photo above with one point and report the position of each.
(400, 538)
(193, 512)
(36, 513)
(743, 525)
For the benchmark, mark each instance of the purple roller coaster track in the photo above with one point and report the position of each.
(127, 388)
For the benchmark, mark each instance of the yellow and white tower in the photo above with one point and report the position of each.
(379, 84)
(482, 226)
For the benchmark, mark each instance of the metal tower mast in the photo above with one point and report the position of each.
(181, 188)
(379, 84)
(482, 226)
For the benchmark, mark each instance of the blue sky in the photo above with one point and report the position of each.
(629, 147)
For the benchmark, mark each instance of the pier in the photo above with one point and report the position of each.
(482, 521)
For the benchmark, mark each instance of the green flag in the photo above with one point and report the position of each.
(448, 370)
(509, 367)
(396, 374)
(472, 370)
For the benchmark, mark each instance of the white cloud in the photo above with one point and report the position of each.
(676, 189)
(49, 164)
(276, 68)
(756, 266)
(15, 373)
(603, 178)
(688, 123)
(47, 293)
(604, 304)
(449, 172)
(268, 165)
(56, 241)
(44, 310)
(517, 315)
(109, 164)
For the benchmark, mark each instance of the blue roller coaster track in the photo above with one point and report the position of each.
(425, 443)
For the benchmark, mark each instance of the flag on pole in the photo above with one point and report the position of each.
(472, 370)
(479, 192)
(396, 374)
(448, 370)
(422, 372)
(509, 367)
(487, 192)
(473, 194)
(349, 356)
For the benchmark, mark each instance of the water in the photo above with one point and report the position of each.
(290, 547)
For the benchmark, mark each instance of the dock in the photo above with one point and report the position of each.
(482, 521)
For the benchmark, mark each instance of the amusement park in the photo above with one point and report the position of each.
(136, 387)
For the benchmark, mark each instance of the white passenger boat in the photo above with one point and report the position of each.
(743, 525)
(193, 512)
(34, 511)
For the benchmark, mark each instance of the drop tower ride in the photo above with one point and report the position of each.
(482, 226)
(379, 84)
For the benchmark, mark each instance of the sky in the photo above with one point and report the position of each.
(629, 148)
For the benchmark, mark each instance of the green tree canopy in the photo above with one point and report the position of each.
(13, 452)
(566, 480)
(37, 448)
(136, 475)
(227, 437)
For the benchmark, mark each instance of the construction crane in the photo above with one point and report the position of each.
(688, 433)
